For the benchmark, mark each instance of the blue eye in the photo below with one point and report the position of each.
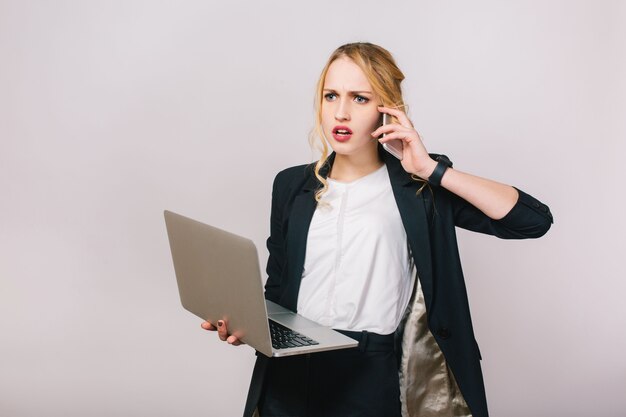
(357, 98)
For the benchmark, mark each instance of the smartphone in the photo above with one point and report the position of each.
(395, 146)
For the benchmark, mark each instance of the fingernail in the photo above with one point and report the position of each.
(220, 323)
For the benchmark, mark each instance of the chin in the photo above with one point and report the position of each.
(347, 148)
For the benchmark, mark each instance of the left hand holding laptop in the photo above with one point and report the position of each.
(222, 332)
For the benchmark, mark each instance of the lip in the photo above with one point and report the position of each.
(341, 138)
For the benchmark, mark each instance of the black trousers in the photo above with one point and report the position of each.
(361, 381)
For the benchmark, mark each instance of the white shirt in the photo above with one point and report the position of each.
(357, 269)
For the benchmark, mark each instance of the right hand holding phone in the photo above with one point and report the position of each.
(415, 158)
(222, 332)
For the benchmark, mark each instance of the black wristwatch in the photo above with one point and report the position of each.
(443, 163)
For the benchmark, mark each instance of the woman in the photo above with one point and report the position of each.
(365, 243)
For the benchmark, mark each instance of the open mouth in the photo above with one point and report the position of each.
(342, 133)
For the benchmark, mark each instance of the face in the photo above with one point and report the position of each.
(349, 109)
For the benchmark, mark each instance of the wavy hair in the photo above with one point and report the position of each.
(384, 76)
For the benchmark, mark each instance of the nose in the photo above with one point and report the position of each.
(342, 111)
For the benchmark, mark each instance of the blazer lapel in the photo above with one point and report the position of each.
(299, 221)
(413, 213)
(297, 232)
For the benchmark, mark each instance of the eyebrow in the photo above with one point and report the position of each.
(350, 92)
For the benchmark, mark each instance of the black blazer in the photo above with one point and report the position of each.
(429, 218)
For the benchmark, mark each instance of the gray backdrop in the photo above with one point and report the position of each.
(112, 111)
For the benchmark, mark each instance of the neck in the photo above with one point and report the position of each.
(352, 167)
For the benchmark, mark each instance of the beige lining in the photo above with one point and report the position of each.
(427, 386)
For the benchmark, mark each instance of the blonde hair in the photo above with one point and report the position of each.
(383, 75)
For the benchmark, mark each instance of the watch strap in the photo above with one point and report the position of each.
(443, 163)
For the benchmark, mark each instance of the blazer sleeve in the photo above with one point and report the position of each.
(275, 244)
(529, 218)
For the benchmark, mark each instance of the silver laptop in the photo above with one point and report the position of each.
(219, 278)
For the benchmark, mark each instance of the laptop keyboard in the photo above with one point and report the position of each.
(283, 337)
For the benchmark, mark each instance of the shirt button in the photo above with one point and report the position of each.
(536, 205)
(544, 209)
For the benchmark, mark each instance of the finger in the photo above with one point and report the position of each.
(233, 340)
(399, 114)
(403, 136)
(389, 128)
(222, 332)
(208, 326)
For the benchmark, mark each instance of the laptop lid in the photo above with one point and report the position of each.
(219, 278)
